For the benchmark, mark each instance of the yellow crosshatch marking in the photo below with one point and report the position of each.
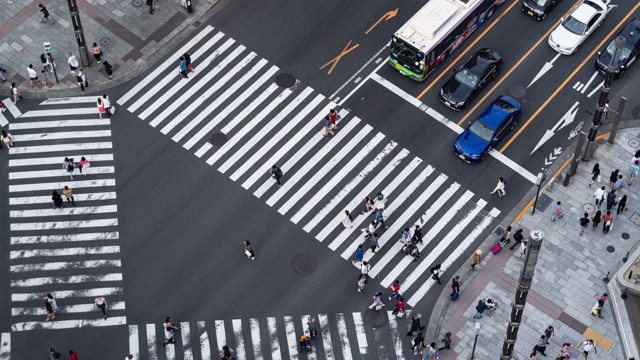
(336, 59)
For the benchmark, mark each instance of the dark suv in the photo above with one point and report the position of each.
(629, 54)
(538, 9)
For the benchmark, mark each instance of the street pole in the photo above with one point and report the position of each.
(539, 180)
(574, 159)
(524, 284)
(77, 28)
(475, 341)
(604, 98)
(616, 121)
(47, 49)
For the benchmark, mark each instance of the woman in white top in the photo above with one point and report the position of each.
(52, 301)
(7, 139)
(346, 221)
(500, 188)
(101, 303)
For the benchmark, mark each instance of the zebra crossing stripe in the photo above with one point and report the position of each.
(73, 279)
(255, 338)
(379, 340)
(273, 339)
(95, 250)
(58, 124)
(203, 149)
(220, 334)
(5, 346)
(62, 135)
(151, 341)
(17, 240)
(205, 347)
(361, 335)
(395, 335)
(68, 324)
(170, 349)
(344, 339)
(65, 211)
(59, 148)
(250, 108)
(326, 336)
(61, 112)
(63, 265)
(292, 339)
(69, 100)
(134, 346)
(237, 332)
(30, 200)
(13, 109)
(65, 294)
(3, 120)
(67, 309)
(56, 160)
(63, 224)
(74, 184)
(55, 173)
(185, 331)
(313, 354)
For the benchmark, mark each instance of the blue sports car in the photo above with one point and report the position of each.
(484, 132)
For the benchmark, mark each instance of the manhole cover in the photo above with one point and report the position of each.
(376, 318)
(304, 264)
(286, 80)
(625, 236)
(588, 208)
(543, 202)
(218, 139)
(610, 249)
(197, 23)
(105, 41)
(498, 231)
(137, 3)
(518, 91)
(635, 218)
(634, 143)
(636, 112)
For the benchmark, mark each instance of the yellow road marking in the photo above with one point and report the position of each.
(336, 59)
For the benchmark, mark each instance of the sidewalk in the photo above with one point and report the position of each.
(568, 275)
(128, 35)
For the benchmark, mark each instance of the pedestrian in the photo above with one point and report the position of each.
(364, 270)
(633, 171)
(226, 351)
(45, 64)
(417, 234)
(101, 303)
(380, 201)
(168, 336)
(368, 205)
(328, 128)
(377, 302)
(595, 173)
(108, 69)
(611, 199)
(97, 52)
(596, 219)
(57, 200)
(380, 218)
(587, 346)
(44, 13)
(84, 166)
(395, 290)
(601, 300)
(100, 107)
(533, 355)
(622, 204)
(67, 165)
(541, 346)
(2, 107)
(619, 184)
(73, 63)
(455, 285)
(2, 70)
(107, 105)
(500, 188)
(523, 249)
(435, 273)
(405, 237)
(276, 173)
(54, 354)
(506, 235)
(7, 139)
(613, 177)
(370, 228)
(312, 327)
(584, 223)
(599, 195)
(129, 357)
(416, 325)
(399, 309)
(566, 348)
(73, 355)
(187, 59)
(549, 332)
(48, 310)
(248, 250)
(68, 194)
(480, 309)
(359, 255)
(413, 250)
(476, 259)
(418, 342)
(557, 211)
(361, 281)
(82, 81)
(183, 67)
(33, 75)
(446, 341)
(347, 220)
(432, 352)
(333, 115)
(607, 222)
(517, 238)
(16, 94)
(373, 239)
(169, 324)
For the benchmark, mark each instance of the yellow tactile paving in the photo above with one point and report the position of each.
(597, 338)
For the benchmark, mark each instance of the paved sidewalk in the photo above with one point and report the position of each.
(128, 35)
(569, 272)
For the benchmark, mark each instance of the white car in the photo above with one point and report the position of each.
(575, 28)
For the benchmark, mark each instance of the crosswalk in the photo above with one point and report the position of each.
(233, 92)
(72, 253)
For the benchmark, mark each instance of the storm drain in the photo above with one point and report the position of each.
(286, 80)
(518, 91)
(218, 139)
(304, 264)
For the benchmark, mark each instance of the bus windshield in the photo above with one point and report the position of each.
(406, 55)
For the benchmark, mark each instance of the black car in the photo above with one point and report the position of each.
(629, 54)
(471, 78)
(539, 9)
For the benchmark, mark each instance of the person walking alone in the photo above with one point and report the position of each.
(73, 355)
(587, 346)
(584, 223)
(333, 115)
(57, 200)
(368, 205)
(395, 290)
(435, 273)
(347, 219)
(52, 301)
(359, 255)
(380, 218)
(500, 188)
(276, 173)
(596, 219)
(44, 13)
(82, 81)
(377, 302)
(361, 281)
(16, 94)
(455, 285)
(480, 309)
(599, 195)
(33, 75)
(541, 346)
(49, 315)
(67, 165)
(373, 239)
(476, 259)
(364, 270)
(73, 63)
(622, 204)
(607, 222)
(523, 249)
(517, 239)
(328, 127)
(68, 194)
(101, 303)
(54, 354)
(97, 52)
(7, 139)
(418, 342)
(557, 211)
(248, 250)
(312, 327)
(108, 68)
(633, 171)
(595, 173)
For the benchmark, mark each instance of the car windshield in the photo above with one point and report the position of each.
(406, 55)
(505, 105)
(623, 55)
(466, 77)
(541, 2)
(574, 26)
(481, 130)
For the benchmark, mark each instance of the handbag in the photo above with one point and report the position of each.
(86, 165)
(378, 307)
(599, 178)
(246, 252)
(113, 109)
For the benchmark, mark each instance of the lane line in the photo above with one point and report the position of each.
(595, 89)
(255, 339)
(64, 265)
(72, 279)
(69, 324)
(134, 339)
(58, 124)
(95, 250)
(74, 184)
(273, 339)
(63, 225)
(43, 239)
(292, 341)
(67, 309)
(595, 73)
(205, 347)
(56, 159)
(375, 56)
(361, 335)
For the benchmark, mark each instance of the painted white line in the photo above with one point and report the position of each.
(67, 309)
(58, 124)
(134, 340)
(56, 159)
(69, 100)
(250, 108)
(257, 137)
(361, 335)
(358, 199)
(317, 158)
(237, 332)
(171, 62)
(273, 140)
(68, 324)
(3, 122)
(42, 239)
(13, 109)
(205, 347)
(577, 86)
(595, 73)
(5, 346)
(15, 175)
(65, 294)
(442, 245)
(220, 334)
(203, 149)
(64, 265)
(65, 211)
(62, 112)
(595, 89)
(21, 254)
(151, 342)
(64, 224)
(380, 339)
(292, 339)
(59, 148)
(273, 339)
(74, 184)
(73, 279)
(344, 337)
(62, 135)
(395, 335)
(170, 349)
(323, 321)
(468, 240)
(313, 354)
(331, 184)
(236, 138)
(255, 339)
(374, 57)
(30, 200)
(513, 165)
(185, 331)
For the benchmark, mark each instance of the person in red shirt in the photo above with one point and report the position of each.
(333, 115)
(73, 355)
(399, 308)
(395, 290)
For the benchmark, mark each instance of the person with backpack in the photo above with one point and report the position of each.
(276, 173)
(82, 80)
(67, 165)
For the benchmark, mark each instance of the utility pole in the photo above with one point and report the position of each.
(524, 285)
(604, 98)
(77, 28)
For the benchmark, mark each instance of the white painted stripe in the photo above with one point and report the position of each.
(56, 159)
(237, 331)
(468, 240)
(58, 124)
(292, 339)
(64, 265)
(5, 346)
(65, 211)
(220, 334)
(60, 185)
(69, 324)
(210, 88)
(61, 112)
(203, 149)
(335, 180)
(396, 201)
(171, 61)
(429, 236)
(513, 165)
(270, 125)
(62, 135)
(595, 89)
(313, 354)
(167, 95)
(151, 342)
(273, 140)
(69, 100)
(326, 336)
(249, 109)
(17, 240)
(73, 279)
(595, 73)
(344, 337)
(404, 174)
(15, 175)
(3, 122)
(205, 347)
(64, 224)
(245, 130)
(358, 199)
(13, 109)
(134, 340)
(379, 340)
(273, 339)
(395, 336)
(219, 99)
(361, 335)
(268, 75)
(316, 159)
(378, 59)
(255, 339)
(30, 200)
(170, 350)
(65, 294)
(59, 148)
(185, 331)
(67, 309)
(442, 245)
(21, 254)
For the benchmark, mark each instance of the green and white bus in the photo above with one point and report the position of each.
(435, 32)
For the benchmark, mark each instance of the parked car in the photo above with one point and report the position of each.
(629, 53)
(539, 9)
(574, 29)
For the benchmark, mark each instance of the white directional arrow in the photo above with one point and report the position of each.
(554, 155)
(546, 67)
(564, 121)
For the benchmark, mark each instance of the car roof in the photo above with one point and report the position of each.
(586, 9)
(631, 33)
(479, 61)
(494, 114)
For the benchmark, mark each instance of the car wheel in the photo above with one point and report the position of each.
(513, 126)
(483, 156)
(544, 16)
(490, 13)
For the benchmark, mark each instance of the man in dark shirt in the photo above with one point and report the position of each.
(517, 237)
(417, 235)
(45, 15)
(584, 223)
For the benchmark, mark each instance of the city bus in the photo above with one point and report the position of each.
(435, 32)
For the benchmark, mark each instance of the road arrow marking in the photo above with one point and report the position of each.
(564, 121)
(546, 67)
(554, 155)
(385, 17)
